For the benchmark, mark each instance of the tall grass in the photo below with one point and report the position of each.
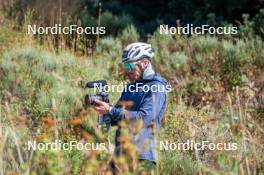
(215, 84)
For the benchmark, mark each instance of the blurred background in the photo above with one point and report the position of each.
(217, 82)
(145, 15)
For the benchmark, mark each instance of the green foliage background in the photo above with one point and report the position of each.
(217, 81)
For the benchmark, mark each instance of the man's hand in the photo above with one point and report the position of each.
(101, 107)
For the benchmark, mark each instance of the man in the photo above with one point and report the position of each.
(147, 92)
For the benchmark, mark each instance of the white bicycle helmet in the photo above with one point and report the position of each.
(136, 51)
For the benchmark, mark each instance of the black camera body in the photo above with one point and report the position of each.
(102, 95)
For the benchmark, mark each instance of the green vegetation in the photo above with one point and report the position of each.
(217, 95)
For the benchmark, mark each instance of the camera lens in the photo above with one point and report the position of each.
(89, 99)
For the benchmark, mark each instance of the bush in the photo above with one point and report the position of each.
(178, 61)
(115, 24)
(259, 60)
(206, 43)
(231, 70)
(161, 42)
(161, 45)
(258, 22)
(195, 90)
(182, 165)
(110, 46)
(239, 49)
(246, 29)
(129, 35)
(44, 82)
(235, 57)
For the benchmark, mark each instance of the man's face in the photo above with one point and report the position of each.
(135, 73)
(135, 70)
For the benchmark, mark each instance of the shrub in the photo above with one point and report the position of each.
(258, 22)
(161, 45)
(44, 82)
(115, 24)
(182, 165)
(259, 60)
(129, 35)
(110, 46)
(199, 58)
(178, 60)
(231, 70)
(161, 42)
(240, 51)
(235, 57)
(206, 43)
(246, 29)
(195, 89)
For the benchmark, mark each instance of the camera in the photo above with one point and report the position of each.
(100, 95)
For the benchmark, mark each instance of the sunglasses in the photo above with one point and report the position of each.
(129, 66)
